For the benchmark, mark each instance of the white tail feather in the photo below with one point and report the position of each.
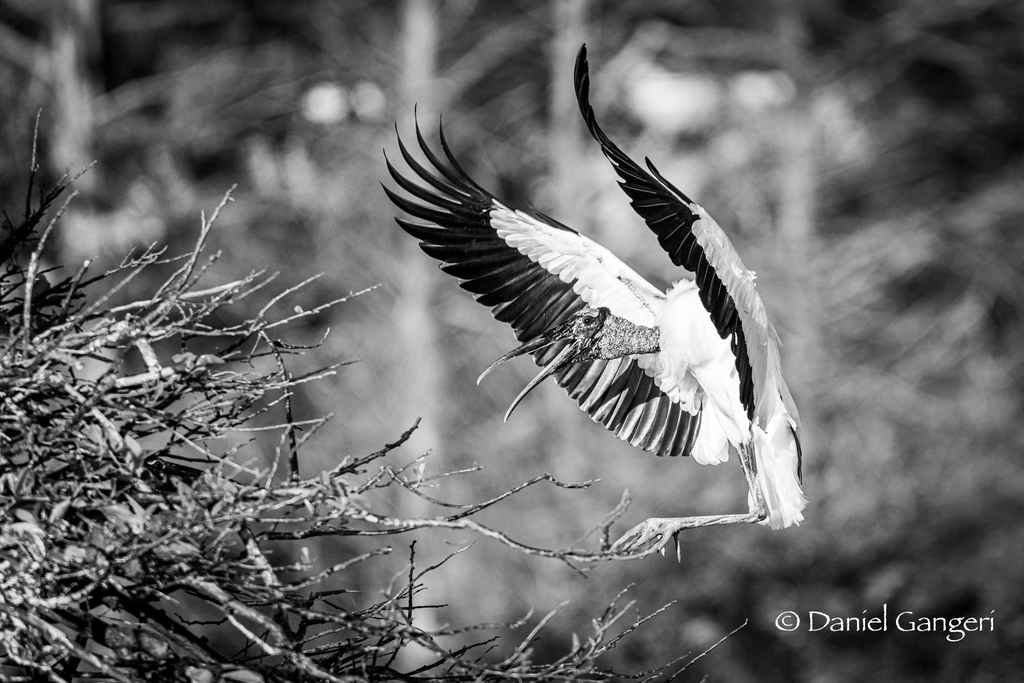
(778, 460)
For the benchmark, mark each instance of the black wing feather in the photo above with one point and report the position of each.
(664, 208)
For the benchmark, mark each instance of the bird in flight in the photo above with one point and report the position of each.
(691, 371)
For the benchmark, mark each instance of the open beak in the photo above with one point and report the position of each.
(551, 368)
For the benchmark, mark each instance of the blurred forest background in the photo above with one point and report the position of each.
(866, 158)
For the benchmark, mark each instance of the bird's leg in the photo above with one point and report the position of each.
(748, 462)
(653, 534)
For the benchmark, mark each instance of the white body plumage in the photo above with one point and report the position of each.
(700, 368)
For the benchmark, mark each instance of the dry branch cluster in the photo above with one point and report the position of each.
(134, 542)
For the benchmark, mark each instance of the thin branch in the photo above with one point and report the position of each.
(33, 268)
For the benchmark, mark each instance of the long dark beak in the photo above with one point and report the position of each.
(551, 368)
(529, 347)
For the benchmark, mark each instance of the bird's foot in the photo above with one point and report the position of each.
(654, 534)
(651, 535)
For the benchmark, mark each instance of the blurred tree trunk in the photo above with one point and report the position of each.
(75, 49)
(415, 312)
(565, 150)
(796, 217)
(75, 35)
(565, 161)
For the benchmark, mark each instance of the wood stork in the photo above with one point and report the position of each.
(686, 372)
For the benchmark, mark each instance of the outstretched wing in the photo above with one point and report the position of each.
(535, 273)
(694, 241)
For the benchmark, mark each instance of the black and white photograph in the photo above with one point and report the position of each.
(453, 341)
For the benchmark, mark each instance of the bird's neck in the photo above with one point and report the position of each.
(619, 337)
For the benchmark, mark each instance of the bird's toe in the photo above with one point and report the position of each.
(649, 536)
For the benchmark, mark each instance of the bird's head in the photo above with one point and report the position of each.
(584, 331)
